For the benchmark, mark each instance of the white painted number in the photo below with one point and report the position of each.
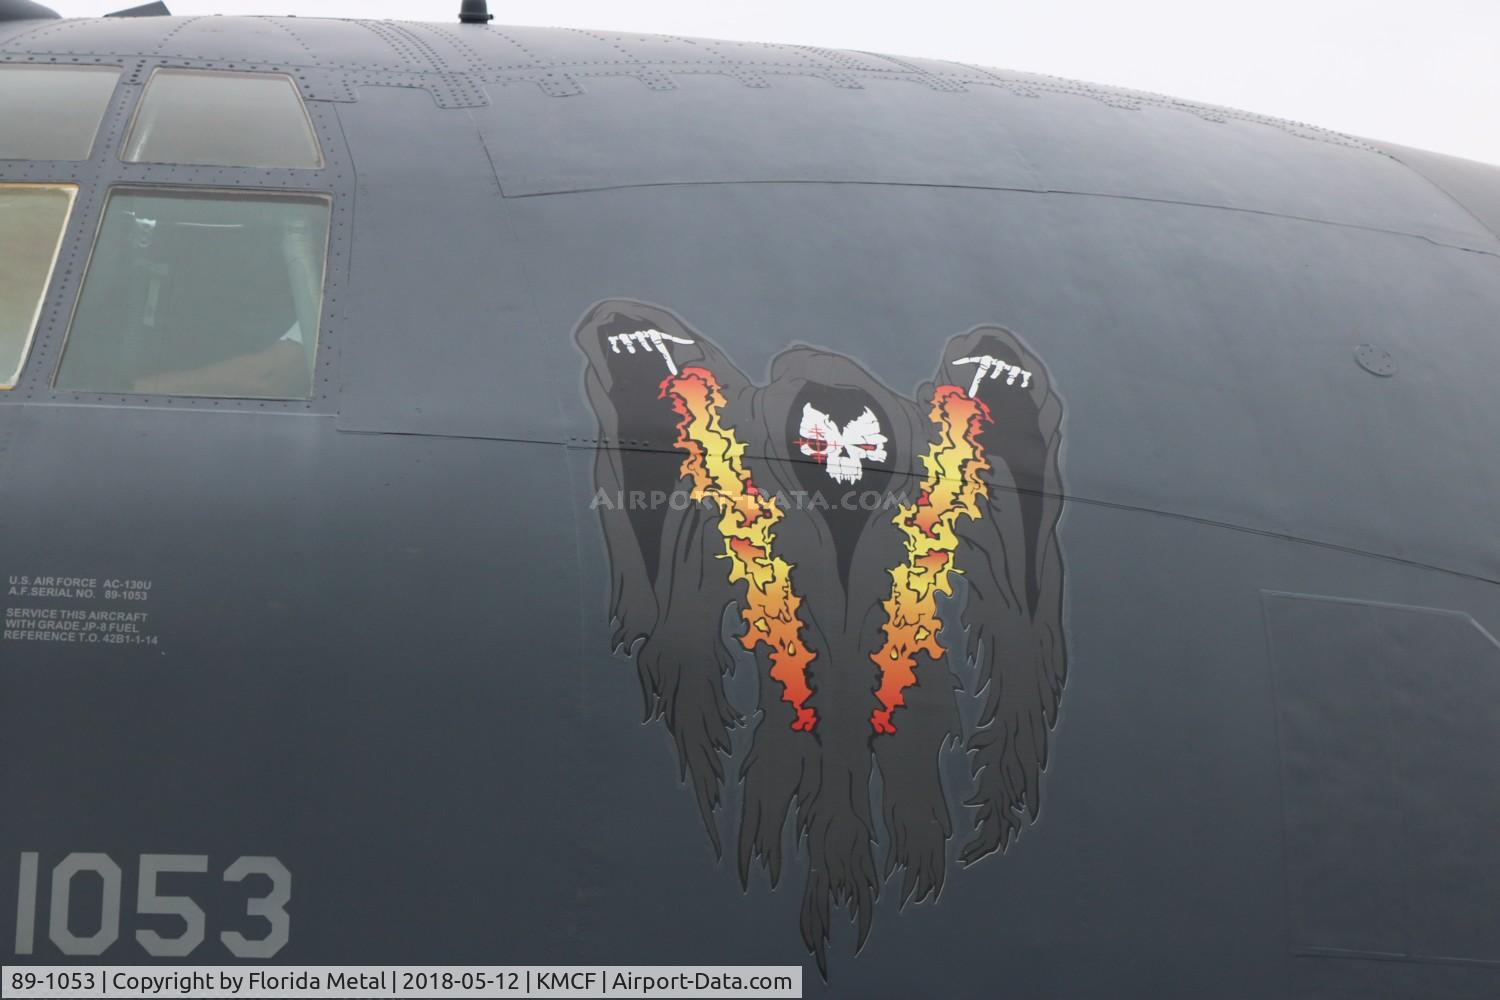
(62, 897)
(270, 907)
(150, 901)
(26, 905)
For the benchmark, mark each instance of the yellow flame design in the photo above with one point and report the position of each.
(952, 488)
(747, 524)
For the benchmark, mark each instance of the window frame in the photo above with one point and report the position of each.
(9, 383)
(323, 94)
(328, 198)
(104, 116)
(128, 132)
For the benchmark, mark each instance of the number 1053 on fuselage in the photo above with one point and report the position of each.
(85, 905)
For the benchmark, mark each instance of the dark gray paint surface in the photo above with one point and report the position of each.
(385, 656)
(1468, 183)
(1386, 735)
(1388, 741)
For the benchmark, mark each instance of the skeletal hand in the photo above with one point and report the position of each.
(993, 367)
(648, 341)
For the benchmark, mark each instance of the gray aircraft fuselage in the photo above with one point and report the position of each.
(1203, 701)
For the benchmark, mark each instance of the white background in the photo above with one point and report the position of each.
(1423, 74)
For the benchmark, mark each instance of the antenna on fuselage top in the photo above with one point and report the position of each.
(474, 12)
(155, 9)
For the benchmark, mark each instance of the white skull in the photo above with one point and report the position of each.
(842, 450)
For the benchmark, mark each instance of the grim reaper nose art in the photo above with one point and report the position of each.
(888, 558)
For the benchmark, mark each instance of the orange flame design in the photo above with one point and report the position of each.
(954, 484)
(747, 523)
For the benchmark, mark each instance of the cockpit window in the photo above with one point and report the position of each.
(222, 119)
(33, 218)
(201, 293)
(52, 112)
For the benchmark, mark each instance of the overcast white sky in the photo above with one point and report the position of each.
(1420, 74)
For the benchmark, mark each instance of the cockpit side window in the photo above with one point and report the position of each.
(210, 118)
(33, 218)
(201, 293)
(52, 112)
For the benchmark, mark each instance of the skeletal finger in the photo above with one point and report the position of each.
(999, 369)
(984, 369)
(676, 339)
(658, 342)
(1014, 371)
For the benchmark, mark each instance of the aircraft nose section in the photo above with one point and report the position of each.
(25, 10)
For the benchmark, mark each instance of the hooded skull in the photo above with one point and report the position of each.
(841, 450)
